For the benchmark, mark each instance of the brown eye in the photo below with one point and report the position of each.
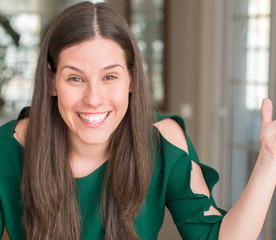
(109, 77)
(75, 79)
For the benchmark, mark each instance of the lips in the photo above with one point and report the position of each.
(93, 118)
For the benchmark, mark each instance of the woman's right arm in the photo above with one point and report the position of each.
(245, 219)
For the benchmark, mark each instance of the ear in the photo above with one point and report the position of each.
(52, 81)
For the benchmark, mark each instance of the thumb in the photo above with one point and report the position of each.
(266, 111)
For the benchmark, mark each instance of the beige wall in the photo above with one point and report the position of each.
(121, 6)
(190, 67)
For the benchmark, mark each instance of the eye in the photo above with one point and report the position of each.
(75, 79)
(110, 77)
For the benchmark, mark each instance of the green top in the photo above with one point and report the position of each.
(169, 186)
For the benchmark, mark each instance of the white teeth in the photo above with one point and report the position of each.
(93, 118)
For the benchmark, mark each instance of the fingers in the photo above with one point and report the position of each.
(266, 111)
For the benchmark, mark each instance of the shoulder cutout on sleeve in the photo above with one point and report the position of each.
(20, 130)
(173, 133)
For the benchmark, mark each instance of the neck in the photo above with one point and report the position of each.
(86, 158)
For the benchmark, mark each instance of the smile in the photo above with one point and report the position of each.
(93, 118)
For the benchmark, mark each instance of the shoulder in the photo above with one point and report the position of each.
(11, 154)
(14, 129)
(20, 126)
(20, 130)
(6, 130)
(12, 134)
(170, 128)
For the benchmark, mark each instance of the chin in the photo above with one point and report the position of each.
(97, 140)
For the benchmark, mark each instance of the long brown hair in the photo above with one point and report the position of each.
(48, 188)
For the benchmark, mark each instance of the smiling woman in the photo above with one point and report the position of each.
(91, 160)
(92, 93)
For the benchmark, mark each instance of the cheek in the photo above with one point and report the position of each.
(121, 97)
(66, 101)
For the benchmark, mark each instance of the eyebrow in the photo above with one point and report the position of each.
(81, 71)
(72, 67)
(113, 66)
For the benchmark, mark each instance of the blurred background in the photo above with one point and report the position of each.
(211, 61)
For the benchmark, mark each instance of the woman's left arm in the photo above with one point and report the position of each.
(245, 219)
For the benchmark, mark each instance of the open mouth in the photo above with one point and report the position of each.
(93, 118)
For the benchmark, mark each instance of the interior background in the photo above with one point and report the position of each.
(210, 61)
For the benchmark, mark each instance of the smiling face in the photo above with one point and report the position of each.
(92, 85)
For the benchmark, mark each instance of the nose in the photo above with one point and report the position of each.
(93, 95)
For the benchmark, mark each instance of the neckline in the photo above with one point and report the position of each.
(92, 174)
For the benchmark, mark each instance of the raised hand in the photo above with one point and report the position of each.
(245, 219)
(267, 134)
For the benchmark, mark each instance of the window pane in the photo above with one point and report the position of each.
(258, 7)
(19, 48)
(254, 96)
(257, 66)
(258, 32)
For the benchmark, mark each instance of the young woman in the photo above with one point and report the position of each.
(89, 159)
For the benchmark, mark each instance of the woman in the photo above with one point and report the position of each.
(88, 160)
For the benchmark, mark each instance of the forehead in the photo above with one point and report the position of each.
(94, 50)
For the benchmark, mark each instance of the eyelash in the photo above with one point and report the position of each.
(75, 79)
(110, 77)
(78, 79)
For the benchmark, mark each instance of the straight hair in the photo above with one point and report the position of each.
(48, 187)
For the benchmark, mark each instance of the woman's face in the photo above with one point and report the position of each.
(92, 86)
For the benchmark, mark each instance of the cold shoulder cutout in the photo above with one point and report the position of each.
(20, 131)
(20, 127)
(173, 133)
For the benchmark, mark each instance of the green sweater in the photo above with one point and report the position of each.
(169, 187)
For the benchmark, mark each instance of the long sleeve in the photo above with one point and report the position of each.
(186, 207)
